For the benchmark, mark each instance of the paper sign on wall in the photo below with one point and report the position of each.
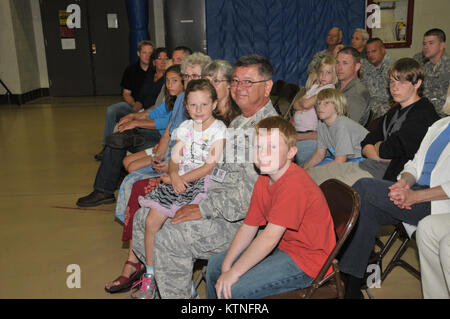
(113, 22)
(68, 44)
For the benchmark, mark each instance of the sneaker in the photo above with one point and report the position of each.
(195, 296)
(147, 290)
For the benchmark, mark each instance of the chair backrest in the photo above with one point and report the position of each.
(290, 111)
(286, 97)
(277, 86)
(343, 202)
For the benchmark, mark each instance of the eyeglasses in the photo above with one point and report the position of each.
(192, 76)
(162, 59)
(245, 83)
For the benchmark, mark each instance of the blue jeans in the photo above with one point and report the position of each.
(113, 114)
(108, 174)
(306, 149)
(277, 273)
(375, 211)
(127, 186)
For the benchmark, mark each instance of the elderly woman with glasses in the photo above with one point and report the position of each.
(219, 73)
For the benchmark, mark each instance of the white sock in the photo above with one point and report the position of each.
(193, 291)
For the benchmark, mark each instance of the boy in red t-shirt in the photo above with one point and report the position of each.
(298, 234)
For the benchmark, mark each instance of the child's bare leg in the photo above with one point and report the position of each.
(140, 163)
(153, 223)
(133, 157)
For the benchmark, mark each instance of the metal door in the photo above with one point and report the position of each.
(90, 58)
(185, 24)
(67, 50)
(109, 33)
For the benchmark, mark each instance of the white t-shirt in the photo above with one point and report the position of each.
(197, 144)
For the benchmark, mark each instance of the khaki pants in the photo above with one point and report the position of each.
(348, 173)
(433, 240)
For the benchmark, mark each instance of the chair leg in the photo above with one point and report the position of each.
(395, 261)
(200, 277)
(337, 278)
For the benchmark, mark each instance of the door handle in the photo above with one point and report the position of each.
(93, 49)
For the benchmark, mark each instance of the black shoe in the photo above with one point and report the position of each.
(96, 198)
(352, 287)
(125, 139)
(99, 156)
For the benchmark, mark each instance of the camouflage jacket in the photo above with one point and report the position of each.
(376, 81)
(312, 66)
(437, 80)
(230, 199)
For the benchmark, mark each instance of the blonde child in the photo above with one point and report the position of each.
(337, 134)
(293, 210)
(305, 118)
(198, 147)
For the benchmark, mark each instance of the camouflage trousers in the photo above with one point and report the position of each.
(178, 246)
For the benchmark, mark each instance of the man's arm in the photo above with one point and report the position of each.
(230, 201)
(126, 94)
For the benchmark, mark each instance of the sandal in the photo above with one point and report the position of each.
(126, 282)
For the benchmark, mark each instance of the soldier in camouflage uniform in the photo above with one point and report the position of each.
(419, 57)
(359, 42)
(334, 37)
(374, 72)
(200, 231)
(437, 69)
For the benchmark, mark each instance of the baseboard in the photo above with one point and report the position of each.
(24, 97)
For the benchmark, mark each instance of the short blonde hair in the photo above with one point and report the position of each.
(286, 129)
(144, 43)
(336, 97)
(330, 61)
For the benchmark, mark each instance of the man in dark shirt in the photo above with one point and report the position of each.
(153, 81)
(132, 79)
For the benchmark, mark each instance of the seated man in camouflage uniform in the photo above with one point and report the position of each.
(437, 68)
(334, 37)
(359, 42)
(374, 72)
(201, 231)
